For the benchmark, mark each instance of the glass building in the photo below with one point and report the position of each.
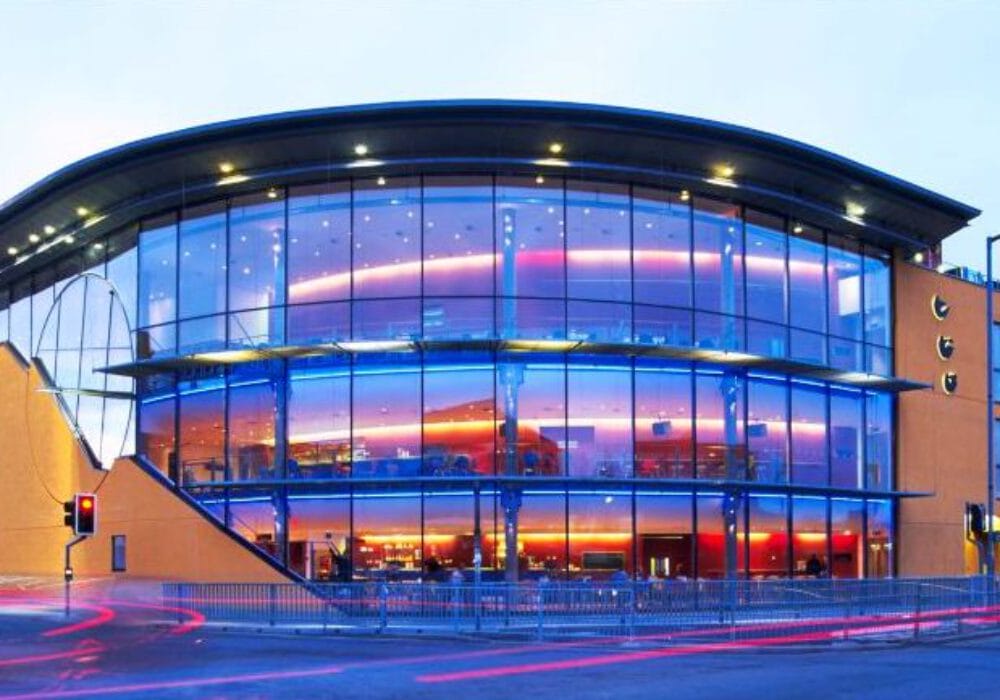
(402, 340)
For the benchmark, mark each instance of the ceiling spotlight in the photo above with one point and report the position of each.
(361, 149)
(685, 195)
(226, 168)
(918, 258)
(34, 237)
(539, 180)
(12, 251)
(555, 148)
(854, 210)
(82, 211)
(70, 240)
(98, 246)
(272, 193)
(49, 229)
(381, 182)
(724, 170)
(798, 228)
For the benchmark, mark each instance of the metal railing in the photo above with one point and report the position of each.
(825, 608)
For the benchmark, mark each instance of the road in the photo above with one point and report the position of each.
(119, 646)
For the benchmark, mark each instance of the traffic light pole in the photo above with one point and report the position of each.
(67, 569)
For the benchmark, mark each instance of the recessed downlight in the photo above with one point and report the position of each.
(49, 229)
(361, 149)
(555, 148)
(34, 237)
(82, 211)
(226, 168)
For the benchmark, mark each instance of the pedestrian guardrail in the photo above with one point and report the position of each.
(824, 608)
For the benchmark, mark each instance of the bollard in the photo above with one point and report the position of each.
(916, 617)
(541, 609)
(272, 602)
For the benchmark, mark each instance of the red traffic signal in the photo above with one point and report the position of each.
(81, 514)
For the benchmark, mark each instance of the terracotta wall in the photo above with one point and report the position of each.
(42, 465)
(942, 438)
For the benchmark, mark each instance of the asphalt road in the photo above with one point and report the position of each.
(120, 648)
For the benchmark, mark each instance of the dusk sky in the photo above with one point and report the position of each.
(911, 88)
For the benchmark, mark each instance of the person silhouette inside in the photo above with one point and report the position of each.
(814, 567)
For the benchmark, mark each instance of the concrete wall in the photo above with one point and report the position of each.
(941, 439)
(42, 465)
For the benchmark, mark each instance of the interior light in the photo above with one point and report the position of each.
(854, 210)
(34, 237)
(918, 258)
(381, 182)
(724, 170)
(685, 195)
(272, 193)
(98, 246)
(232, 180)
(555, 148)
(539, 180)
(798, 228)
(226, 168)
(361, 149)
(70, 239)
(12, 251)
(49, 229)
(82, 211)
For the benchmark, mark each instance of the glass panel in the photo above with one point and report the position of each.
(878, 442)
(319, 323)
(664, 536)
(846, 438)
(717, 332)
(319, 534)
(20, 318)
(319, 244)
(767, 246)
(711, 539)
(656, 325)
(878, 298)
(41, 304)
(767, 339)
(458, 416)
(449, 521)
(530, 247)
(768, 536)
(600, 534)
(844, 279)
(846, 355)
(156, 425)
(458, 319)
(809, 539)
(531, 415)
(386, 418)
(663, 433)
(203, 262)
(387, 237)
(807, 287)
(847, 528)
(319, 418)
(387, 535)
(880, 540)
(600, 420)
(256, 515)
(388, 319)
(661, 233)
(257, 268)
(252, 410)
(202, 433)
(599, 322)
(808, 347)
(4, 314)
(767, 431)
(809, 436)
(718, 257)
(721, 452)
(598, 256)
(541, 535)
(123, 259)
(531, 319)
(458, 236)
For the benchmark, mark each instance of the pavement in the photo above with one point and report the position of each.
(119, 644)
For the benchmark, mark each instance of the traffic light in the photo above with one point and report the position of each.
(81, 514)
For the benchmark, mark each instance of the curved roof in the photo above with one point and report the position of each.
(141, 178)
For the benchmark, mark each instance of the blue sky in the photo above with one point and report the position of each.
(912, 88)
